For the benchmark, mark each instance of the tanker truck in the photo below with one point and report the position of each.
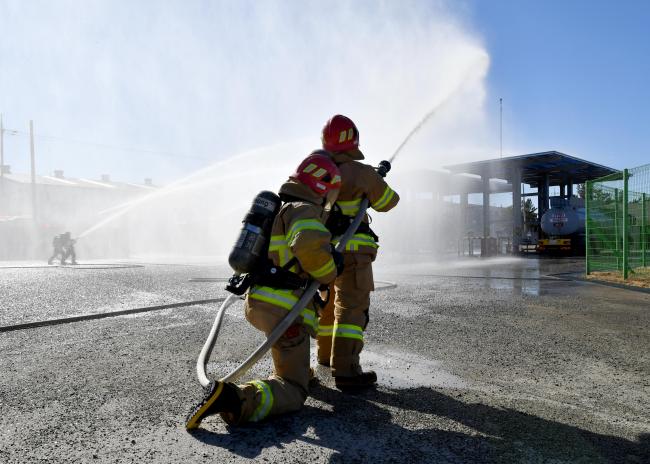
(564, 226)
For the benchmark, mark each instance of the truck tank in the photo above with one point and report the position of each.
(566, 217)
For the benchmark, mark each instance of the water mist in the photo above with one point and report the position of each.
(269, 75)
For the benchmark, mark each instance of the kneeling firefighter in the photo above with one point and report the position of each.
(345, 317)
(299, 251)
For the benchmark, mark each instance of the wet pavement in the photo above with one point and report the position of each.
(502, 360)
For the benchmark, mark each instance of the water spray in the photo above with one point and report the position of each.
(185, 183)
(431, 113)
(418, 126)
(202, 361)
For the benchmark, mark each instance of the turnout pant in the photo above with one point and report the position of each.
(345, 317)
(58, 251)
(69, 253)
(286, 390)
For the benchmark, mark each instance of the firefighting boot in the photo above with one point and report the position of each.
(357, 382)
(220, 397)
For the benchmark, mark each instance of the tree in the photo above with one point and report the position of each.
(529, 211)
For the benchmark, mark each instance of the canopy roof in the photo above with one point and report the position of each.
(560, 168)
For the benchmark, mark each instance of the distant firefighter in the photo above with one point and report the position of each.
(57, 244)
(68, 248)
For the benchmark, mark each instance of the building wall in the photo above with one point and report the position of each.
(59, 208)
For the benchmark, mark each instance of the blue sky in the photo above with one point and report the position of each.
(186, 83)
(574, 75)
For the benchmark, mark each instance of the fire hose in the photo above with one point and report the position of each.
(309, 293)
(284, 324)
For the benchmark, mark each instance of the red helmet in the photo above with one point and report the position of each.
(319, 173)
(340, 134)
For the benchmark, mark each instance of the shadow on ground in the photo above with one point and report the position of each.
(361, 428)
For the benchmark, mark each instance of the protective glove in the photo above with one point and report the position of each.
(322, 297)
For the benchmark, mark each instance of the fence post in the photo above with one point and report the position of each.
(587, 228)
(617, 248)
(626, 222)
(644, 225)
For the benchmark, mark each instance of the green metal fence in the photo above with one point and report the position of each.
(617, 222)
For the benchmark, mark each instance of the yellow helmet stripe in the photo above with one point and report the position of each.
(320, 173)
(310, 167)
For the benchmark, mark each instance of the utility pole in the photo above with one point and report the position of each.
(2, 148)
(33, 165)
(500, 127)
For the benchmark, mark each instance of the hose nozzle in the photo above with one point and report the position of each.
(384, 167)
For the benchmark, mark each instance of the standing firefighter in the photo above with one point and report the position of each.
(57, 244)
(300, 248)
(68, 248)
(344, 319)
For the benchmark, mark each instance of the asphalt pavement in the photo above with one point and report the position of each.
(501, 360)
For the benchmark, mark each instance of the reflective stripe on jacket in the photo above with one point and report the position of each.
(298, 231)
(360, 180)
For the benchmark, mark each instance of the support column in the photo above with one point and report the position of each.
(486, 214)
(542, 195)
(517, 213)
(462, 220)
(570, 189)
(486, 207)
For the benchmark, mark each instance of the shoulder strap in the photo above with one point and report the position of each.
(289, 264)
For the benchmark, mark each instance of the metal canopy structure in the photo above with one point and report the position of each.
(444, 183)
(559, 167)
(539, 170)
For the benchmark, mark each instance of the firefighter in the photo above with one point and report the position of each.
(68, 248)
(57, 244)
(300, 244)
(345, 317)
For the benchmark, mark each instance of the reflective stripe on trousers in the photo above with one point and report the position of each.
(325, 330)
(266, 402)
(347, 331)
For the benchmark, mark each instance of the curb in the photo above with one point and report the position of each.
(578, 278)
